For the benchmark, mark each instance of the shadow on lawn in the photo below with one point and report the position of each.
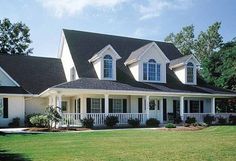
(7, 156)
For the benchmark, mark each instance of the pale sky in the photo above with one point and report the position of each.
(147, 19)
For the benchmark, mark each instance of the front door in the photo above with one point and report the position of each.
(154, 108)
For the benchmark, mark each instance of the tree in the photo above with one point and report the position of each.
(14, 38)
(208, 42)
(219, 69)
(184, 40)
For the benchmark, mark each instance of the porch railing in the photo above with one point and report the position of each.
(74, 119)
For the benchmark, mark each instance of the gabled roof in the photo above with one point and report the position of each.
(83, 45)
(12, 90)
(33, 74)
(182, 61)
(137, 54)
(100, 53)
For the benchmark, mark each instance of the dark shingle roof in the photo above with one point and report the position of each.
(12, 90)
(179, 60)
(33, 74)
(83, 45)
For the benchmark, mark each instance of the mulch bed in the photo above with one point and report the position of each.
(191, 128)
(35, 129)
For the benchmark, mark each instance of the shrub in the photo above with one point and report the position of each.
(39, 121)
(111, 121)
(232, 119)
(190, 120)
(134, 122)
(53, 115)
(177, 120)
(152, 122)
(208, 119)
(187, 125)
(15, 122)
(27, 119)
(87, 122)
(222, 120)
(170, 125)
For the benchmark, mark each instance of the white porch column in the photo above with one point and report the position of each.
(147, 106)
(54, 101)
(161, 110)
(213, 109)
(59, 103)
(182, 107)
(106, 104)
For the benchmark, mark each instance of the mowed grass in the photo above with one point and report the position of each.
(213, 143)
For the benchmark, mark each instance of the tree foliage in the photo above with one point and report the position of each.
(14, 38)
(220, 67)
(184, 40)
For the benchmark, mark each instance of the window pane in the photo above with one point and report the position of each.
(117, 106)
(190, 74)
(1, 107)
(194, 106)
(151, 71)
(107, 68)
(64, 106)
(158, 72)
(95, 105)
(145, 71)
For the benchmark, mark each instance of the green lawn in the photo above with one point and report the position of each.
(213, 143)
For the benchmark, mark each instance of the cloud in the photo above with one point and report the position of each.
(155, 8)
(73, 7)
(145, 32)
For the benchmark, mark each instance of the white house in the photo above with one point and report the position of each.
(96, 75)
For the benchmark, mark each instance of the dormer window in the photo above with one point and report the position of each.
(190, 72)
(151, 71)
(107, 66)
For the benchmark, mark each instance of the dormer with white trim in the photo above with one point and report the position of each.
(104, 63)
(148, 64)
(185, 68)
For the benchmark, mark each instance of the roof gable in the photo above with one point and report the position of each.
(183, 61)
(6, 79)
(102, 51)
(139, 53)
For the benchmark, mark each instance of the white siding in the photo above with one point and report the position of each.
(67, 61)
(180, 73)
(35, 105)
(134, 68)
(4, 79)
(16, 108)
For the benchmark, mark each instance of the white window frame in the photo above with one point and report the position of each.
(92, 105)
(149, 63)
(110, 61)
(115, 109)
(194, 73)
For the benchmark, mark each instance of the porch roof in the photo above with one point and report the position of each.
(96, 84)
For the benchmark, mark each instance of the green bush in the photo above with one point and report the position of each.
(111, 121)
(177, 120)
(232, 119)
(208, 119)
(222, 120)
(87, 122)
(27, 119)
(134, 122)
(170, 125)
(39, 121)
(15, 122)
(152, 122)
(190, 120)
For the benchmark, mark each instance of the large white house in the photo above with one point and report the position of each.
(96, 75)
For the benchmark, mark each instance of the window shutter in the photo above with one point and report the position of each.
(164, 110)
(124, 106)
(201, 106)
(88, 105)
(110, 105)
(174, 107)
(140, 105)
(185, 106)
(103, 105)
(5, 107)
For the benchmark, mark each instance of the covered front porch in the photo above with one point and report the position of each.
(76, 105)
